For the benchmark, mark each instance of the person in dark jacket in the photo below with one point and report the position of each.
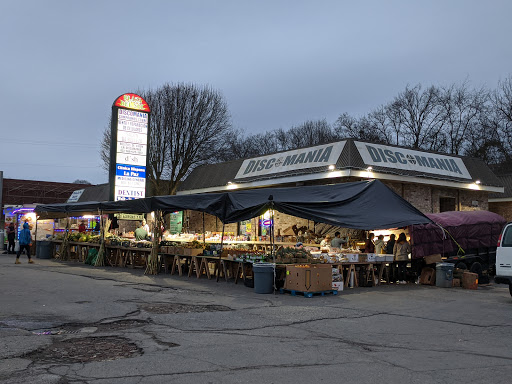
(390, 244)
(369, 247)
(11, 236)
(25, 243)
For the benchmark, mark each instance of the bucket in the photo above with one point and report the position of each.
(263, 277)
(444, 275)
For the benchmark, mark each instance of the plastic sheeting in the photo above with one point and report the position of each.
(470, 229)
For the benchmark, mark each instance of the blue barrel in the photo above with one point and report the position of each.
(263, 277)
(444, 275)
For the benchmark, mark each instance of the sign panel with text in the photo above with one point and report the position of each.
(412, 160)
(129, 147)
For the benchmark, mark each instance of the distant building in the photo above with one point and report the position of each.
(501, 203)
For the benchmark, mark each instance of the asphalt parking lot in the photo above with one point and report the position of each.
(65, 322)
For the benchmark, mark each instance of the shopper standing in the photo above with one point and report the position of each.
(11, 236)
(379, 244)
(369, 247)
(25, 243)
(401, 252)
(390, 245)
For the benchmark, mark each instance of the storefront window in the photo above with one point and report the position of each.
(446, 204)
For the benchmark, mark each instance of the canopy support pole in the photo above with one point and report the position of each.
(204, 235)
(65, 241)
(35, 240)
(102, 251)
(272, 242)
(220, 253)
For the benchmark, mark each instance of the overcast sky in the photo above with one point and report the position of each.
(277, 63)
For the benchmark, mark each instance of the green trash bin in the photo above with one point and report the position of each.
(263, 277)
(44, 249)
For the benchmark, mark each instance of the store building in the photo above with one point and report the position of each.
(501, 203)
(432, 182)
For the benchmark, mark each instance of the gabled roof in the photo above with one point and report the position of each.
(506, 181)
(217, 176)
(98, 192)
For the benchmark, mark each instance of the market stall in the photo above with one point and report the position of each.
(363, 205)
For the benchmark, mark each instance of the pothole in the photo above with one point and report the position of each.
(95, 327)
(120, 324)
(164, 308)
(82, 350)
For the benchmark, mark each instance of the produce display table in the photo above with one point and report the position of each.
(137, 257)
(200, 265)
(374, 273)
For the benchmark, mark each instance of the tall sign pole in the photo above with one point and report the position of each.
(129, 147)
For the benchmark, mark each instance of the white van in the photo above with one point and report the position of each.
(504, 258)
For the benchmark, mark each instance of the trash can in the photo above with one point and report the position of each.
(444, 275)
(263, 277)
(44, 249)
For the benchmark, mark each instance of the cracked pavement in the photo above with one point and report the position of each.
(173, 329)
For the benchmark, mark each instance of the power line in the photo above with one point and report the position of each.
(52, 165)
(50, 143)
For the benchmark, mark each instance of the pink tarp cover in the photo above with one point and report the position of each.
(471, 229)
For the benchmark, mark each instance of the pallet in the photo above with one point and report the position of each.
(308, 294)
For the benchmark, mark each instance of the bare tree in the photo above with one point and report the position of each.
(199, 119)
(462, 110)
(419, 116)
(501, 100)
(367, 128)
(105, 147)
(237, 146)
(309, 133)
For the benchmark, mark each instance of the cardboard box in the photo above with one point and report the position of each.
(192, 251)
(470, 280)
(432, 259)
(428, 276)
(308, 278)
(456, 283)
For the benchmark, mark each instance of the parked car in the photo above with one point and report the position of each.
(504, 258)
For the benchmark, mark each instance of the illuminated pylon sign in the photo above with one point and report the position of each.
(129, 147)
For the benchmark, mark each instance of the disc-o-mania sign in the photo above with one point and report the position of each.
(129, 147)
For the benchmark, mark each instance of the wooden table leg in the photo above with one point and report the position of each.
(193, 266)
(204, 265)
(239, 268)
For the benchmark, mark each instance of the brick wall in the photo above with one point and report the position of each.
(504, 209)
(424, 197)
(427, 198)
(193, 222)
